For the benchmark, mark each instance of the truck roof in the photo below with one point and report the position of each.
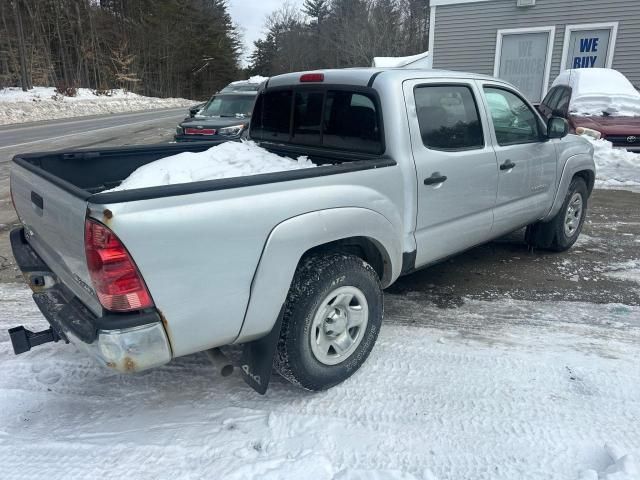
(363, 76)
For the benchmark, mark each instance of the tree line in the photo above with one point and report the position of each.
(165, 48)
(190, 48)
(340, 33)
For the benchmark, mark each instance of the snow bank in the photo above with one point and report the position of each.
(230, 159)
(599, 91)
(623, 467)
(615, 167)
(43, 103)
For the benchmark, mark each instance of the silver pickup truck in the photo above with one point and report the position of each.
(413, 166)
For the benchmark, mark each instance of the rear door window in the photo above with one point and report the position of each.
(448, 117)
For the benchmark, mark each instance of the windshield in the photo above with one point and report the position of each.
(229, 106)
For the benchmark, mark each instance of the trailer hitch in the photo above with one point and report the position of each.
(23, 339)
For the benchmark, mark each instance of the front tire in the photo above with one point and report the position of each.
(332, 317)
(562, 231)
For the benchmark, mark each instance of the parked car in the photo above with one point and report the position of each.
(250, 85)
(225, 116)
(413, 167)
(598, 99)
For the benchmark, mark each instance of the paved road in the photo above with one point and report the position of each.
(154, 126)
(94, 130)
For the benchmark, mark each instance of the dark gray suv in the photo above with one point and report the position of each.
(225, 116)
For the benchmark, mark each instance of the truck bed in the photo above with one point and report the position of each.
(88, 173)
(188, 240)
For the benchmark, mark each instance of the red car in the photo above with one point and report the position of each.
(599, 99)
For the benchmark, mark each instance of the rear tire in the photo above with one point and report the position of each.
(562, 231)
(332, 317)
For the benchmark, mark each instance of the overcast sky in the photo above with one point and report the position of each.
(250, 16)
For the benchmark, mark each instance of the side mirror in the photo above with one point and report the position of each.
(557, 127)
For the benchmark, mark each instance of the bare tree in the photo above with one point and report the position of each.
(24, 76)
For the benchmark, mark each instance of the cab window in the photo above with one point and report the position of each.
(514, 121)
(271, 116)
(337, 119)
(351, 122)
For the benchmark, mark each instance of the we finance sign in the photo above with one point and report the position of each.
(522, 60)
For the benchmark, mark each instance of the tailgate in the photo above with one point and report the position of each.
(54, 227)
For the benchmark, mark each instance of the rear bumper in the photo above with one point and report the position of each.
(128, 342)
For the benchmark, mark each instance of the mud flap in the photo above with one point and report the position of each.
(537, 237)
(256, 364)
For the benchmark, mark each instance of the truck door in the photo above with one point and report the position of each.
(526, 158)
(457, 172)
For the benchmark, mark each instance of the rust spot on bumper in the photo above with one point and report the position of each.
(165, 324)
(129, 365)
(107, 216)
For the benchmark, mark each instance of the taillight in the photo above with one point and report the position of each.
(118, 283)
(312, 77)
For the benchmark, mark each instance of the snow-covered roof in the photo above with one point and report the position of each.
(256, 79)
(600, 91)
(398, 62)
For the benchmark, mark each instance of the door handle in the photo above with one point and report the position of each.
(435, 178)
(507, 165)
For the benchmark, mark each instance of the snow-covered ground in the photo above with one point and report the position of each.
(615, 167)
(230, 159)
(42, 103)
(629, 270)
(489, 390)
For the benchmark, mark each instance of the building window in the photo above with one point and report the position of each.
(523, 58)
(590, 45)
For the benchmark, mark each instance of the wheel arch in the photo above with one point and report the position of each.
(366, 248)
(581, 165)
(359, 231)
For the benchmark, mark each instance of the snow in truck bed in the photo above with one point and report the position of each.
(227, 160)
